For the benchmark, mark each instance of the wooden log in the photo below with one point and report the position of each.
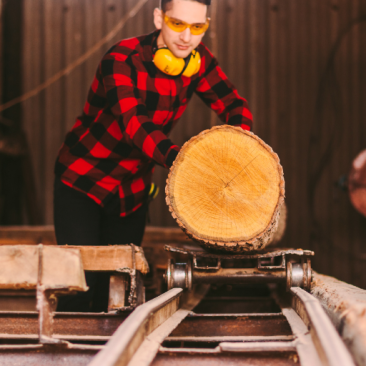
(280, 232)
(225, 190)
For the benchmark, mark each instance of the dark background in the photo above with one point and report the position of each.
(301, 64)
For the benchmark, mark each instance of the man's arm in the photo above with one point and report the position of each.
(215, 89)
(123, 95)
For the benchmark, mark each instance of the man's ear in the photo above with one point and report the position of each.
(158, 18)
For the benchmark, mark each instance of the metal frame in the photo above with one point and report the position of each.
(138, 339)
(291, 266)
(132, 332)
(330, 347)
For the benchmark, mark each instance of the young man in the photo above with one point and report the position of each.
(140, 90)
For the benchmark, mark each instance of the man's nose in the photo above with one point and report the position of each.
(185, 36)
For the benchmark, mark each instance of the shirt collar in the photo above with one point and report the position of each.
(151, 44)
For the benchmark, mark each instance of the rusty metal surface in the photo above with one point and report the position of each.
(238, 275)
(306, 350)
(64, 323)
(259, 347)
(204, 342)
(150, 346)
(237, 305)
(196, 340)
(61, 270)
(46, 305)
(331, 349)
(117, 291)
(46, 356)
(13, 339)
(129, 336)
(276, 344)
(299, 274)
(239, 291)
(217, 359)
(346, 306)
(232, 326)
(291, 267)
(269, 252)
(17, 303)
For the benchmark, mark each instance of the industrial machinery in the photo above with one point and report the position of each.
(247, 309)
(289, 266)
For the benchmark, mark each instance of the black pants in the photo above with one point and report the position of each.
(81, 221)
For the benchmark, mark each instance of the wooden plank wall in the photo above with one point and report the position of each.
(1, 49)
(276, 52)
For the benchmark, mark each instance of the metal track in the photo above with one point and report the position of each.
(258, 327)
(227, 325)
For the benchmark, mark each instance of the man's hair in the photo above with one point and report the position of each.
(164, 3)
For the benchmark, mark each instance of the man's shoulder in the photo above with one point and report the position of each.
(203, 50)
(208, 60)
(132, 46)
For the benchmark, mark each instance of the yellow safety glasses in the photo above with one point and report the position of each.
(179, 26)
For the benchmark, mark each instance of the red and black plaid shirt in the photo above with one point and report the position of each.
(131, 109)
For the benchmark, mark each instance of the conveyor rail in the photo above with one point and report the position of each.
(283, 333)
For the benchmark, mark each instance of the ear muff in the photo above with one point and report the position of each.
(166, 62)
(193, 65)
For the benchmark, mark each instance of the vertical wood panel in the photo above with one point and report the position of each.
(53, 96)
(32, 118)
(94, 31)
(1, 50)
(74, 40)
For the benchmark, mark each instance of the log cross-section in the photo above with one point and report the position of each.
(225, 190)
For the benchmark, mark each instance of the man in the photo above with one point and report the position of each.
(140, 90)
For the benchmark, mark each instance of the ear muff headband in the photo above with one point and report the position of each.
(166, 62)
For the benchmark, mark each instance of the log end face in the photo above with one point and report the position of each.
(225, 190)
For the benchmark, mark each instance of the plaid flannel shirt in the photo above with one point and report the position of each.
(130, 110)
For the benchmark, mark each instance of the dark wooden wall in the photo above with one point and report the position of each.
(11, 161)
(276, 52)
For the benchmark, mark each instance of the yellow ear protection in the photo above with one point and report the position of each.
(165, 61)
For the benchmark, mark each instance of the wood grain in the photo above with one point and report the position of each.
(225, 189)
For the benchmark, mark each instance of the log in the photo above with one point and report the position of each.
(282, 222)
(225, 190)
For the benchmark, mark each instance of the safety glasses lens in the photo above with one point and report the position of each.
(176, 25)
(197, 29)
(179, 26)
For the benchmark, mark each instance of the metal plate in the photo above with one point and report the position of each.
(276, 252)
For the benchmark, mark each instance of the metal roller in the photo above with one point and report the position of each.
(289, 272)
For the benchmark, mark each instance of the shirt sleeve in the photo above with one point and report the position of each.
(215, 89)
(123, 96)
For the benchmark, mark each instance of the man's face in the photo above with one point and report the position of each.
(183, 43)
